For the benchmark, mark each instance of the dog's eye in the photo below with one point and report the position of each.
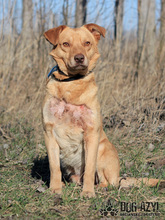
(87, 43)
(66, 44)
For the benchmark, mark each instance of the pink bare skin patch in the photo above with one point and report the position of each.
(79, 115)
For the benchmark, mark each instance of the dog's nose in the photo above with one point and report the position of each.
(79, 58)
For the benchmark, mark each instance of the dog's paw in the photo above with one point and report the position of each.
(87, 194)
(56, 190)
(75, 179)
(103, 185)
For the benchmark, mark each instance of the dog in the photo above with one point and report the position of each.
(73, 130)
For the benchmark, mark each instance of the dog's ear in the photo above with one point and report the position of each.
(96, 30)
(52, 35)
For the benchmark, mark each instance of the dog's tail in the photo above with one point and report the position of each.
(127, 182)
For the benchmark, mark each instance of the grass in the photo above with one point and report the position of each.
(24, 181)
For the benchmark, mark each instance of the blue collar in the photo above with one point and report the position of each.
(55, 68)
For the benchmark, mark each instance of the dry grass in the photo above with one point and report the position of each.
(24, 70)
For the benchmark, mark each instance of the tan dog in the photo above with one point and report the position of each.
(71, 112)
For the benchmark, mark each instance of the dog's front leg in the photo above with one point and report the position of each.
(91, 138)
(54, 160)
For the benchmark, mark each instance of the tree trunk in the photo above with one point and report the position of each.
(27, 20)
(27, 35)
(65, 9)
(162, 29)
(81, 11)
(118, 32)
(162, 20)
(146, 35)
(161, 49)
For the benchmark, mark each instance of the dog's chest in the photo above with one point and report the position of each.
(69, 114)
(69, 123)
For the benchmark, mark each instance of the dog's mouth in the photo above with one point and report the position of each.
(78, 64)
(77, 69)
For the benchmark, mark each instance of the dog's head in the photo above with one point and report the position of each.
(75, 50)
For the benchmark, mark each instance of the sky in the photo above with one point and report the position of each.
(131, 15)
(95, 8)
